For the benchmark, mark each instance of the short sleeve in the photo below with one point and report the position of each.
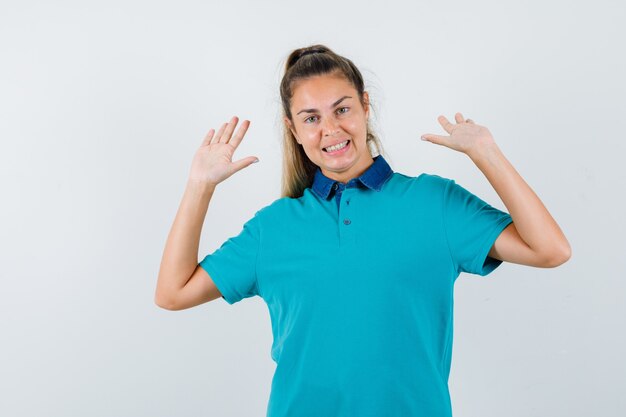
(471, 226)
(232, 266)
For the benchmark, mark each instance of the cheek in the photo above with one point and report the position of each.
(310, 145)
(356, 124)
(358, 130)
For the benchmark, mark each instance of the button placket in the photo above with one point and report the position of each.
(339, 189)
(346, 228)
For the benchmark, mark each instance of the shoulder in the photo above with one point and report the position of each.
(280, 209)
(424, 182)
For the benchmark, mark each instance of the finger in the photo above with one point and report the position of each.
(219, 134)
(208, 137)
(236, 140)
(445, 123)
(459, 118)
(229, 129)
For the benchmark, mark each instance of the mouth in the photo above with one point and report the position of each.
(338, 147)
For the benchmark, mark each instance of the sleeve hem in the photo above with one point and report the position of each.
(217, 280)
(483, 264)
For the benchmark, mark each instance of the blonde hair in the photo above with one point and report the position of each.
(302, 63)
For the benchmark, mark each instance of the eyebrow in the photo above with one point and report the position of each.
(332, 105)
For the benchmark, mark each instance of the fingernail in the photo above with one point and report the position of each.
(256, 160)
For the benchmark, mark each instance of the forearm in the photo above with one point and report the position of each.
(532, 220)
(180, 256)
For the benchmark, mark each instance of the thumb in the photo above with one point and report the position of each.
(438, 139)
(242, 163)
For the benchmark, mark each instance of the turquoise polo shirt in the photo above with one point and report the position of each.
(358, 279)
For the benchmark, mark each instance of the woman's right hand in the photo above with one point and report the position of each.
(212, 162)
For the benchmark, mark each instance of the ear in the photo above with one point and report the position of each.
(366, 99)
(293, 132)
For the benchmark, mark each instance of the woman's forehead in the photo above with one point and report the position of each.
(323, 90)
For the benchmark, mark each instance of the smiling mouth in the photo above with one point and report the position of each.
(347, 142)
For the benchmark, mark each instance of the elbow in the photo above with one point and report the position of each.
(165, 302)
(560, 257)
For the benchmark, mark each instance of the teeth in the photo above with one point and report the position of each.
(337, 146)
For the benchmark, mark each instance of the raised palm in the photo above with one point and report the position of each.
(213, 162)
(465, 136)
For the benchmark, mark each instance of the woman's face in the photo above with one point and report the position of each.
(326, 111)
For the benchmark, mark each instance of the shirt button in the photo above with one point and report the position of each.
(335, 186)
(346, 221)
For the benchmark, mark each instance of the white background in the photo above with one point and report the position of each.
(102, 107)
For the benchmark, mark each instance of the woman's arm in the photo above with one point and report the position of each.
(180, 257)
(534, 238)
(181, 282)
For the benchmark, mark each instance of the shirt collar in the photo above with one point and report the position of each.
(373, 178)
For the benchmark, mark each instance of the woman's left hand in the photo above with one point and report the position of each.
(465, 136)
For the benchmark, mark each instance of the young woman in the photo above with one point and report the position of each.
(356, 262)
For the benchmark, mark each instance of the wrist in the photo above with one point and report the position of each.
(201, 186)
(483, 151)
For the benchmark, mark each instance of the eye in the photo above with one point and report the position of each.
(338, 110)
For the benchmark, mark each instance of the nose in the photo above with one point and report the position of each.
(330, 127)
